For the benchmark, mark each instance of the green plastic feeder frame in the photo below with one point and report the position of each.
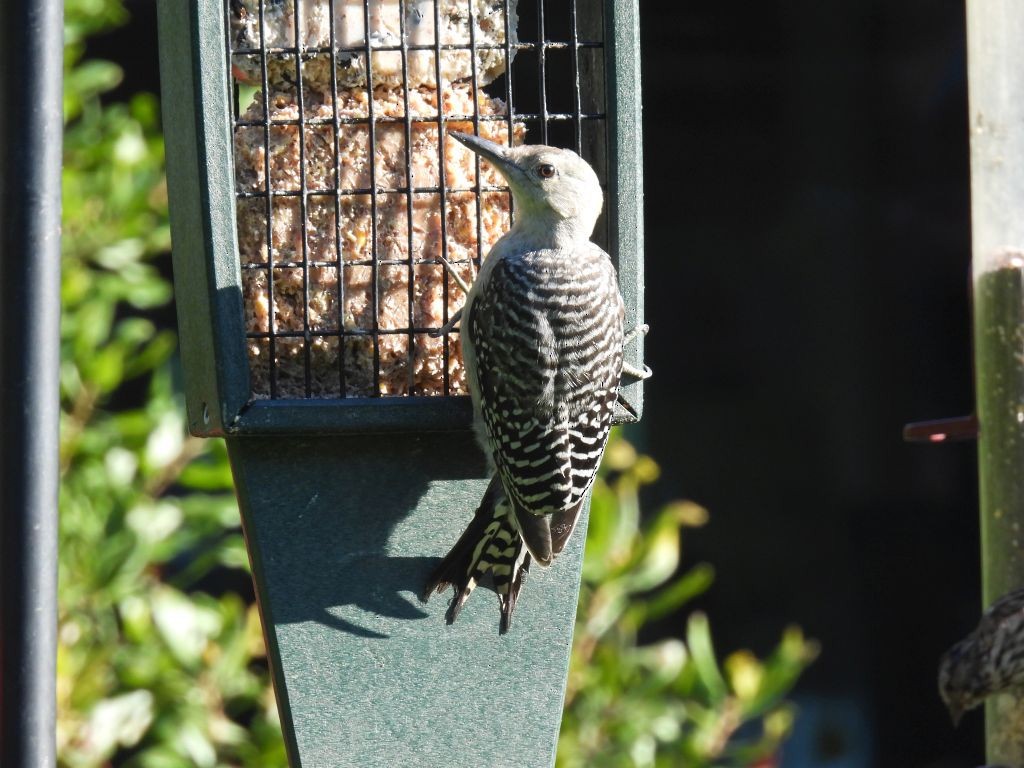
(349, 497)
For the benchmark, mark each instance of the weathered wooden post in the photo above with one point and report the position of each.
(996, 65)
(313, 195)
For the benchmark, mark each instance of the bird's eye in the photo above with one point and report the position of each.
(546, 171)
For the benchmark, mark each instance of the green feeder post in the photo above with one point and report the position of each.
(298, 241)
(996, 66)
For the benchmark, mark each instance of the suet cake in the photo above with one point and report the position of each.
(304, 289)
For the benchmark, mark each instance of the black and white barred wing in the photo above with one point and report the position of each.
(999, 640)
(547, 333)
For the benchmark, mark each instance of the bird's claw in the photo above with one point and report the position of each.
(640, 330)
(455, 275)
(640, 374)
(448, 327)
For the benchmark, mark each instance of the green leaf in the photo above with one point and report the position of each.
(152, 355)
(185, 626)
(106, 368)
(120, 721)
(86, 81)
(681, 591)
(698, 639)
(207, 475)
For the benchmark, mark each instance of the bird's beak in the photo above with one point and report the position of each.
(497, 154)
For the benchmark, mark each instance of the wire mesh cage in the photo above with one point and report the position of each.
(347, 192)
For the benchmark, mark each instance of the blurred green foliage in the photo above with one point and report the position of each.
(668, 703)
(160, 668)
(153, 671)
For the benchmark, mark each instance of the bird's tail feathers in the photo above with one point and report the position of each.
(491, 544)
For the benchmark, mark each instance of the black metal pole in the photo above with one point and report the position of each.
(31, 126)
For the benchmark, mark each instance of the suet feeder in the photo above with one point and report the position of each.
(314, 192)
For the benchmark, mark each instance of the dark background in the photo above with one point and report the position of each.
(807, 259)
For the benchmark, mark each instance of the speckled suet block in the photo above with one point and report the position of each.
(328, 240)
(306, 231)
(351, 17)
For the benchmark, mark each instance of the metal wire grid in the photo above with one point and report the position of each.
(571, 30)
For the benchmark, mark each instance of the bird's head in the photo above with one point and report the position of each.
(963, 684)
(552, 188)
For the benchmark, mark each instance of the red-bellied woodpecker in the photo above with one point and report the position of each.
(987, 661)
(542, 337)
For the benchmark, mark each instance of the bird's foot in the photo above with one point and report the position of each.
(628, 369)
(448, 327)
(640, 374)
(640, 329)
(489, 545)
(459, 281)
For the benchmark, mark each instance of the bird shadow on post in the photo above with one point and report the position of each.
(341, 526)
